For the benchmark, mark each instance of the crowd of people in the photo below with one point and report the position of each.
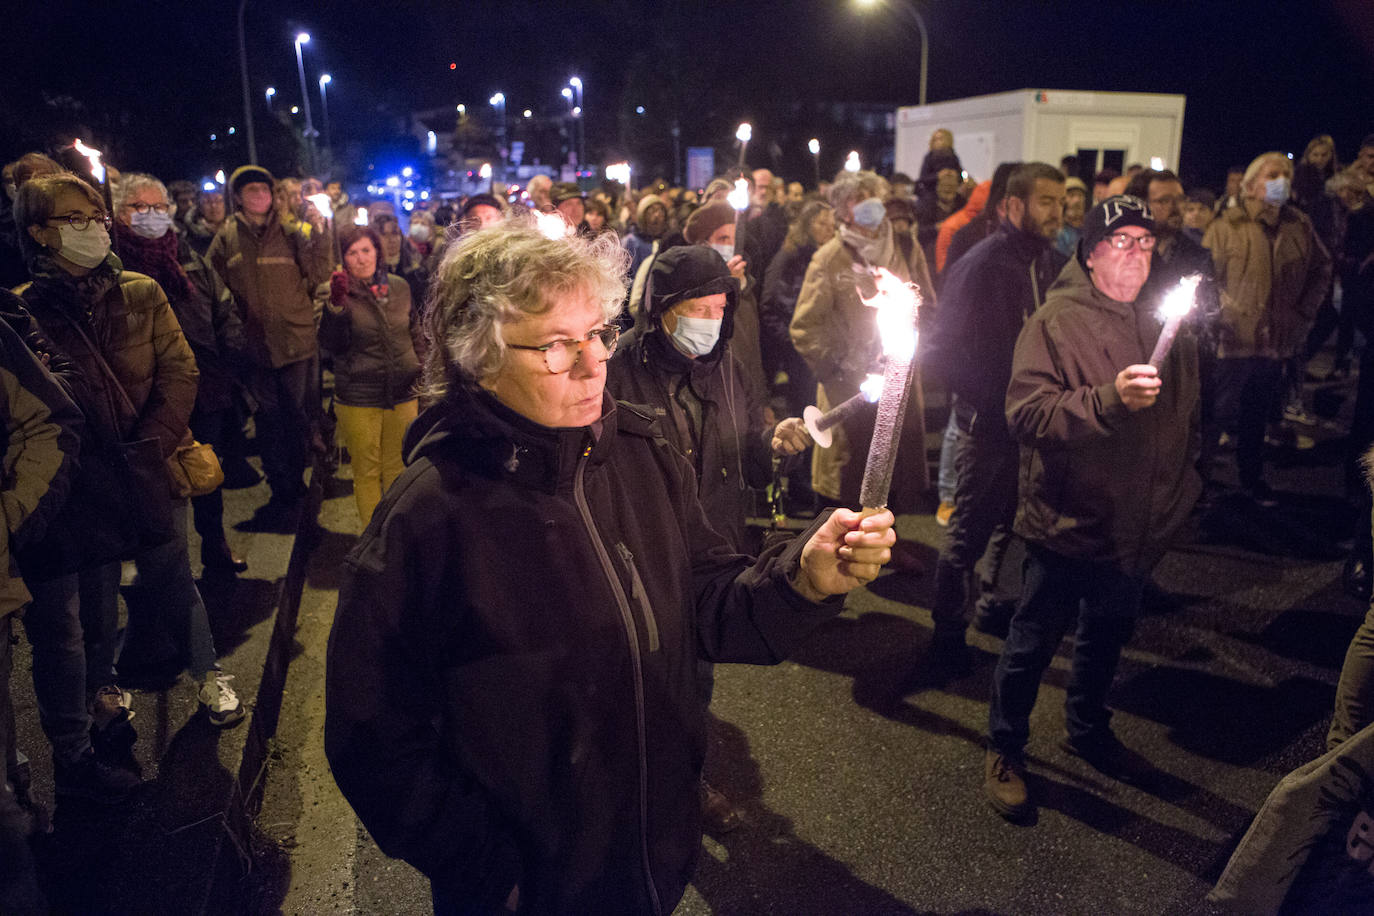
(616, 380)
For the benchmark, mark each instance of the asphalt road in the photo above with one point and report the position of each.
(862, 792)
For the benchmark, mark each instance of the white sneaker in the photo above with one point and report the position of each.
(220, 702)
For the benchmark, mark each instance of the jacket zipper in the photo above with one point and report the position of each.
(640, 596)
(636, 663)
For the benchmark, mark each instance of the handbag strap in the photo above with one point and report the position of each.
(99, 358)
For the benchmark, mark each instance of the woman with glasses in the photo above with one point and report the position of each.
(372, 328)
(112, 322)
(510, 700)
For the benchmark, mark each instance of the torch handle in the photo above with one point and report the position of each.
(887, 433)
(1165, 342)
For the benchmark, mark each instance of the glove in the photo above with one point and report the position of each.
(338, 287)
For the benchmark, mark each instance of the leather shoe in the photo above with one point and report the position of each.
(717, 814)
(1111, 758)
(219, 558)
(1004, 784)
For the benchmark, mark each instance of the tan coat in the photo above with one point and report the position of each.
(1273, 272)
(272, 272)
(837, 335)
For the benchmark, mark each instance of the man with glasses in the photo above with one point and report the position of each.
(1106, 480)
(678, 361)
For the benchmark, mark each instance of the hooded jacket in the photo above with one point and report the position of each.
(707, 407)
(526, 609)
(1097, 481)
(271, 272)
(1273, 273)
(976, 202)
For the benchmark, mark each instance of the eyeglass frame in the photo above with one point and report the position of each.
(85, 221)
(579, 344)
(1136, 240)
(144, 208)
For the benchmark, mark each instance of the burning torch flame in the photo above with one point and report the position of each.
(552, 225)
(744, 133)
(1179, 302)
(739, 197)
(872, 387)
(97, 170)
(896, 302)
(360, 218)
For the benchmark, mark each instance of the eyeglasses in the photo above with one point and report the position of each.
(561, 355)
(144, 208)
(79, 221)
(1125, 242)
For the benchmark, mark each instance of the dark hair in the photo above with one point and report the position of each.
(1205, 196)
(799, 233)
(382, 219)
(33, 205)
(597, 205)
(1106, 176)
(1367, 142)
(31, 165)
(349, 235)
(1139, 185)
(1021, 184)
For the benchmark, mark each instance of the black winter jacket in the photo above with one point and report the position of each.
(375, 343)
(511, 695)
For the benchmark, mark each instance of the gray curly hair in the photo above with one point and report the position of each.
(503, 274)
(133, 182)
(847, 187)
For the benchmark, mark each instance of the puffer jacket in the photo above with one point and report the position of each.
(137, 334)
(271, 272)
(1273, 272)
(837, 335)
(374, 344)
(1098, 482)
(531, 718)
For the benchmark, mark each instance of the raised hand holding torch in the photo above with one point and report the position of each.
(1177, 305)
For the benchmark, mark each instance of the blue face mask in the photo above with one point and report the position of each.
(697, 336)
(151, 225)
(725, 251)
(1276, 191)
(869, 214)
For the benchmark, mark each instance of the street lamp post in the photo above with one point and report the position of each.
(325, 80)
(579, 117)
(303, 38)
(907, 9)
(498, 102)
(247, 93)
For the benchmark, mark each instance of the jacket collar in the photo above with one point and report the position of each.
(474, 429)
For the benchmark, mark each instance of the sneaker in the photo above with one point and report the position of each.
(717, 813)
(219, 700)
(944, 513)
(1111, 758)
(110, 706)
(93, 779)
(1004, 784)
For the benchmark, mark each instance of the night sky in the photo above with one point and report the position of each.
(153, 79)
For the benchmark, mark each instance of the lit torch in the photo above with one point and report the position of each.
(97, 170)
(739, 199)
(552, 225)
(1177, 304)
(898, 304)
(819, 424)
(743, 134)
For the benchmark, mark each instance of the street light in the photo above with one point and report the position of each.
(271, 91)
(498, 101)
(325, 80)
(576, 84)
(303, 38)
(815, 147)
(907, 9)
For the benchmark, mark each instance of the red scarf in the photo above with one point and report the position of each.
(157, 258)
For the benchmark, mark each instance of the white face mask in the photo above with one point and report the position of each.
(419, 232)
(1276, 191)
(697, 336)
(869, 213)
(151, 225)
(86, 247)
(725, 251)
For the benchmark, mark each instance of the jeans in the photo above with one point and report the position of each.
(1060, 592)
(1355, 690)
(283, 423)
(373, 436)
(1248, 390)
(19, 891)
(984, 498)
(169, 606)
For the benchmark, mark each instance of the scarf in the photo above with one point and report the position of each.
(876, 251)
(157, 258)
(75, 295)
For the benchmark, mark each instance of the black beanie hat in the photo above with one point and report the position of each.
(687, 272)
(247, 174)
(1111, 216)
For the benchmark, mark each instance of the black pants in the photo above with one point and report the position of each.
(985, 467)
(212, 427)
(283, 423)
(1248, 390)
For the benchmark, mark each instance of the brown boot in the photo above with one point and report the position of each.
(1004, 783)
(717, 814)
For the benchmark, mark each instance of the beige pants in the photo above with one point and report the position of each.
(373, 438)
